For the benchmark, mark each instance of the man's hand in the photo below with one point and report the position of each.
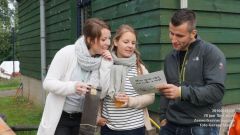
(163, 122)
(170, 91)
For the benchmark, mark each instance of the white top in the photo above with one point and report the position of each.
(58, 84)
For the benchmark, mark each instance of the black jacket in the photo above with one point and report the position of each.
(202, 89)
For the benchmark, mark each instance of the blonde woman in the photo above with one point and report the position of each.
(127, 116)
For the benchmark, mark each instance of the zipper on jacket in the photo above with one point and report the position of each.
(183, 68)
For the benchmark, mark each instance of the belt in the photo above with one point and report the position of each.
(72, 115)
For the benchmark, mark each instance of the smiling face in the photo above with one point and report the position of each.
(101, 44)
(125, 45)
(181, 37)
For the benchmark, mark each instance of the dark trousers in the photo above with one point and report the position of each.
(107, 131)
(173, 129)
(69, 124)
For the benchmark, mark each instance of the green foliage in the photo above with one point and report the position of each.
(7, 21)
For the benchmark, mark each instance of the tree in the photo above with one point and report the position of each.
(6, 16)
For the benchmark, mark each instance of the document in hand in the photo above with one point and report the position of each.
(144, 84)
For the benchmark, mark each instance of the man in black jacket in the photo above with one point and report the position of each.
(190, 104)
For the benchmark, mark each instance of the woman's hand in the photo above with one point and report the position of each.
(107, 55)
(82, 88)
(122, 99)
(101, 121)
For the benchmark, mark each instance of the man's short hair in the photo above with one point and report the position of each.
(182, 16)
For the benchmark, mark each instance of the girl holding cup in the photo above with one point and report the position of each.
(124, 110)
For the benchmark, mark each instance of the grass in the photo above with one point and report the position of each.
(10, 84)
(20, 112)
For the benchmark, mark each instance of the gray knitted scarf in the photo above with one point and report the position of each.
(119, 72)
(87, 62)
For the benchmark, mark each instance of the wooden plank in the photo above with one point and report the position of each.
(32, 25)
(151, 52)
(231, 6)
(157, 51)
(53, 3)
(232, 81)
(60, 26)
(28, 6)
(126, 9)
(51, 53)
(29, 61)
(152, 65)
(29, 41)
(57, 44)
(30, 73)
(36, 60)
(21, 3)
(100, 4)
(34, 67)
(31, 47)
(30, 34)
(73, 21)
(145, 19)
(230, 50)
(149, 35)
(35, 13)
(64, 16)
(29, 53)
(5, 129)
(61, 35)
(169, 4)
(233, 65)
(57, 9)
(218, 20)
(231, 96)
(220, 35)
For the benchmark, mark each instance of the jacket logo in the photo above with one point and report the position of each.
(196, 59)
(220, 65)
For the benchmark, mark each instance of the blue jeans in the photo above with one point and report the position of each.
(107, 131)
(172, 129)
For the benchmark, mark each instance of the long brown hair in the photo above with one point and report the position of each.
(119, 32)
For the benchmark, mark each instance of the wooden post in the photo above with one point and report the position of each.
(5, 129)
